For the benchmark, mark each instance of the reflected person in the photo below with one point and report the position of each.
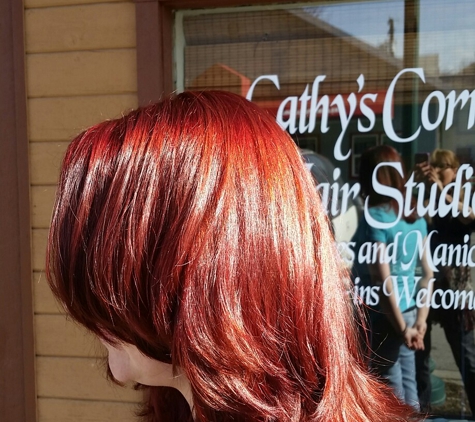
(397, 325)
(458, 321)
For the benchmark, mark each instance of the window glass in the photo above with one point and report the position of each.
(345, 77)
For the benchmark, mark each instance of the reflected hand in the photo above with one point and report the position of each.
(413, 339)
(423, 172)
(421, 327)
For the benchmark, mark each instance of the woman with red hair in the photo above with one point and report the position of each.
(188, 236)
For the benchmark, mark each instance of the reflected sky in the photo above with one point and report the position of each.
(447, 28)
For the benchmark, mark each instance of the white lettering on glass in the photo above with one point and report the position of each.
(298, 114)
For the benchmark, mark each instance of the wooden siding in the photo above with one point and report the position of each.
(54, 410)
(60, 118)
(43, 299)
(45, 161)
(30, 4)
(56, 373)
(81, 73)
(81, 69)
(80, 28)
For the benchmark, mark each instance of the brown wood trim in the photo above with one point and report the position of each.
(199, 4)
(17, 380)
(154, 20)
(154, 50)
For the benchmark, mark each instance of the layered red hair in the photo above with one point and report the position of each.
(191, 229)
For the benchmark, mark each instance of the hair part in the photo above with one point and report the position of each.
(191, 229)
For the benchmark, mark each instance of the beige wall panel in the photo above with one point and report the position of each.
(43, 300)
(55, 410)
(47, 3)
(87, 27)
(60, 119)
(38, 245)
(81, 73)
(42, 201)
(78, 378)
(58, 336)
(45, 162)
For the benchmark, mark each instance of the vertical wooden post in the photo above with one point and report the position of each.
(17, 375)
(154, 50)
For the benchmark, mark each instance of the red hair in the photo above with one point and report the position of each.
(191, 229)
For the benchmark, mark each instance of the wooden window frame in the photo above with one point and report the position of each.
(17, 354)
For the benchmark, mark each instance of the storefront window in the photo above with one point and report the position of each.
(341, 78)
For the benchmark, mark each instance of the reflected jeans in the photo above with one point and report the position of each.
(392, 359)
(462, 343)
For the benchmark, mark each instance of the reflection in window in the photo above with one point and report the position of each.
(335, 74)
